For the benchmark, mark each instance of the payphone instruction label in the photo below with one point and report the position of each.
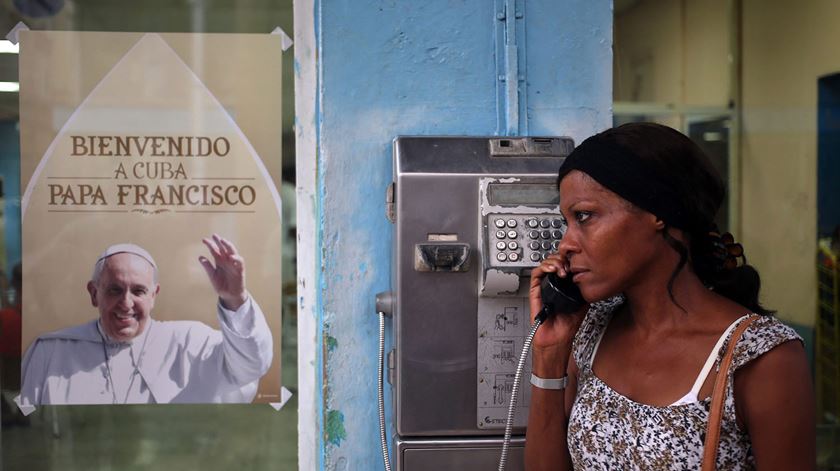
(502, 327)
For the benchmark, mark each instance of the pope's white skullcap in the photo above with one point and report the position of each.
(127, 248)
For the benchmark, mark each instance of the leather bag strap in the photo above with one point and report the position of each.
(710, 447)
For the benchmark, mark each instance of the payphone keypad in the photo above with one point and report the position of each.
(523, 240)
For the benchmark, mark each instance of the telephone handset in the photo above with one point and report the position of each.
(559, 295)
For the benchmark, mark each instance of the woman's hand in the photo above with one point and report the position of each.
(553, 342)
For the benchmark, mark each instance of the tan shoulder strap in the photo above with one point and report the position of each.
(716, 413)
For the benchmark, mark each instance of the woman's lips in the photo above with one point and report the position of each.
(576, 274)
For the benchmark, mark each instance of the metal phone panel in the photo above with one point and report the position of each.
(435, 324)
(516, 234)
(437, 199)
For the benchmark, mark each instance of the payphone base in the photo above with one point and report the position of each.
(458, 454)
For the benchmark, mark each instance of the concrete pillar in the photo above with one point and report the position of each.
(365, 72)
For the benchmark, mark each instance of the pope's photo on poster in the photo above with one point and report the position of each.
(151, 223)
(121, 350)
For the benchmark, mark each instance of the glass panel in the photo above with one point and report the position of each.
(755, 85)
(213, 437)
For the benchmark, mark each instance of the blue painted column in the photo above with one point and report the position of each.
(365, 72)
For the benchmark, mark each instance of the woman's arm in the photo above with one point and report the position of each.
(548, 418)
(545, 440)
(774, 401)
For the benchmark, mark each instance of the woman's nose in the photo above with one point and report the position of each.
(568, 244)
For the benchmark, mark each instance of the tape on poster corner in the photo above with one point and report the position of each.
(24, 409)
(285, 395)
(285, 41)
(13, 34)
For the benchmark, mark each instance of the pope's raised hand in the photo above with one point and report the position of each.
(226, 272)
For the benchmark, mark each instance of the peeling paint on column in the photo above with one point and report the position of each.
(332, 343)
(334, 430)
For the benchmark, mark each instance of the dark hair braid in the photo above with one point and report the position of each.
(715, 261)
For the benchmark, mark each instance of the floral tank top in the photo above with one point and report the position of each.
(608, 431)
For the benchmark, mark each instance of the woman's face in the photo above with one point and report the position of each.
(609, 243)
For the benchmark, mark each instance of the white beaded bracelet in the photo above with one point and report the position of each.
(544, 383)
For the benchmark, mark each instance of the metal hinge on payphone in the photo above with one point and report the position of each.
(472, 216)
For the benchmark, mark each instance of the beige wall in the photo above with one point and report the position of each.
(786, 47)
(672, 51)
(647, 60)
(707, 52)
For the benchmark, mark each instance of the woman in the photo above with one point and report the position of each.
(639, 201)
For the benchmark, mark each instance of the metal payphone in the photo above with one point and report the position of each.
(472, 216)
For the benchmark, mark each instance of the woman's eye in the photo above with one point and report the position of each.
(582, 216)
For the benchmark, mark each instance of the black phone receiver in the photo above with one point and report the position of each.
(559, 295)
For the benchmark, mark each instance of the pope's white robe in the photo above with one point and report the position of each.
(181, 362)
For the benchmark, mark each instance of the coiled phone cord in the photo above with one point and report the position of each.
(381, 392)
(520, 367)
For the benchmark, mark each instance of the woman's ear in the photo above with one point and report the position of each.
(659, 224)
(655, 222)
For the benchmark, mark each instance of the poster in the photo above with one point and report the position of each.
(161, 141)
